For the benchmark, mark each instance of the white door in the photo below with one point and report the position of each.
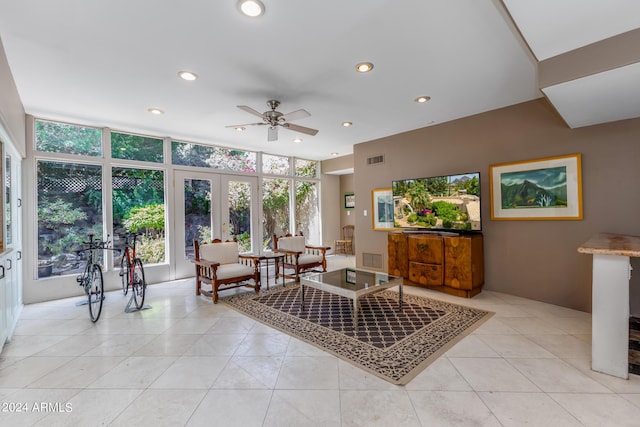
(196, 193)
(239, 215)
(213, 206)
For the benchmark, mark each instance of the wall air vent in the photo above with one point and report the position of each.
(372, 260)
(375, 160)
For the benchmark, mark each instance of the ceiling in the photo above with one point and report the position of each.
(106, 62)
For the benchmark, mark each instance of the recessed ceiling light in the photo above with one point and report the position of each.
(155, 111)
(422, 99)
(364, 67)
(251, 8)
(334, 154)
(187, 75)
(297, 140)
(347, 124)
(239, 128)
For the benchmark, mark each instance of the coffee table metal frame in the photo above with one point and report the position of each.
(277, 259)
(351, 283)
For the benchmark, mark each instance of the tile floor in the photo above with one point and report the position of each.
(187, 362)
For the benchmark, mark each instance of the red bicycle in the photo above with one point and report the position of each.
(132, 271)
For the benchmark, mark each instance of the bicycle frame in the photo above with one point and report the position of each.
(91, 279)
(128, 255)
(92, 246)
(130, 250)
(131, 267)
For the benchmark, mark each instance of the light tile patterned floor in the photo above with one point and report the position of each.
(187, 362)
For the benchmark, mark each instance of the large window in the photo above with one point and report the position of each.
(71, 165)
(306, 168)
(138, 207)
(186, 154)
(275, 165)
(136, 147)
(69, 207)
(69, 139)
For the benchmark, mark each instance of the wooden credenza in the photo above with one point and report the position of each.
(451, 264)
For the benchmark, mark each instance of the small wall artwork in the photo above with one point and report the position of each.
(349, 201)
(382, 209)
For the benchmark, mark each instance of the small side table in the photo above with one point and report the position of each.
(276, 258)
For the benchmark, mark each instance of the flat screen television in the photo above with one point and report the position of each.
(440, 203)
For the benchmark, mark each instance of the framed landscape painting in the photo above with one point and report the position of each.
(539, 189)
(382, 209)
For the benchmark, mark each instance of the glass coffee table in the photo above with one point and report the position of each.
(351, 283)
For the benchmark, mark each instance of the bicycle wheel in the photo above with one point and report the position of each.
(95, 292)
(124, 273)
(138, 284)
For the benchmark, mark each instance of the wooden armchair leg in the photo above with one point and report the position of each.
(214, 294)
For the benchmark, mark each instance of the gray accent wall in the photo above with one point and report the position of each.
(532, 259)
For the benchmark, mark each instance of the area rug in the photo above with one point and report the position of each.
(392, 344)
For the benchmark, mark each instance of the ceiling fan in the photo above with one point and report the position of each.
(274, 118)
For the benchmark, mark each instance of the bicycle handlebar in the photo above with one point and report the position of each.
(99, 245)
(94, 244)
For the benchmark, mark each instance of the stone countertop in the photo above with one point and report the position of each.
(611, 244)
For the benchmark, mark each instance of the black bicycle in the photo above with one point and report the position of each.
(132, 271)
(91, 279)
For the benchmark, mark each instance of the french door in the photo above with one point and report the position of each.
(213, 206)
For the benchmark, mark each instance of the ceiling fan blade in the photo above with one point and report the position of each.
(273, 133)
(295, 115)
(250, 110)
(302, 129)
(246, 124)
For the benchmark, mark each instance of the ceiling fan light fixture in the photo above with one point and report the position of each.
(364, 67)
(156, 111)
(274, 119)
(188, 75)
(251, 8)
(422, 99)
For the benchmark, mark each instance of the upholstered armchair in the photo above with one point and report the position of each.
(220, 265)
(298, 256)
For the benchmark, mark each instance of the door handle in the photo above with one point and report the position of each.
(19, 257)
(2, 274)
(10, 264)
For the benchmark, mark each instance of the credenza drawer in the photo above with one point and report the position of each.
(425, 274)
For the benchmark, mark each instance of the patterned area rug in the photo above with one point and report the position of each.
(392, 344)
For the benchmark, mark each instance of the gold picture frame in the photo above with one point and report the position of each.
(382, 209)
(540, 189)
